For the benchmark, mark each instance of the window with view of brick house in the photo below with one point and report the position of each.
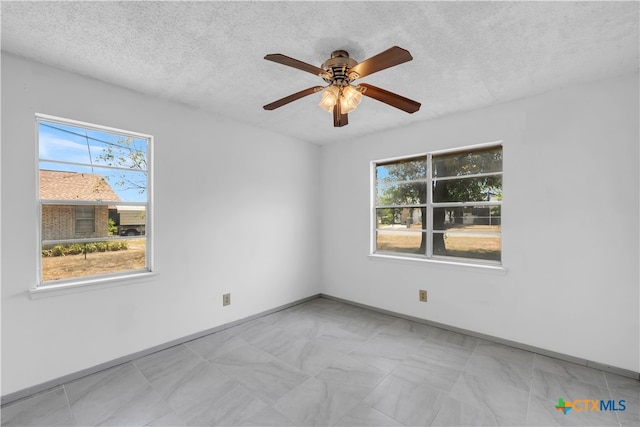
(87, 176)
(440, 205)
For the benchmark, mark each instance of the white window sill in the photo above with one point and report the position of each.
(69, 287)
(456, 265)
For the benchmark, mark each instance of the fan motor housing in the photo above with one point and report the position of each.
(338, 65)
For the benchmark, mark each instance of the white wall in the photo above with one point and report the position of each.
(251, 228)
(570, 225)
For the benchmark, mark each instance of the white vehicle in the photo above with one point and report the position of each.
(133, 220)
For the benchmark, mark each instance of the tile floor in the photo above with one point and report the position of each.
(325, 363)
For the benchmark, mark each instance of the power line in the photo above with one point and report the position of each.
(89, 149)
(87, 137)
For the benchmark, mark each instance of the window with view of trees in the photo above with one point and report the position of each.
(94, 193)
(444, 205)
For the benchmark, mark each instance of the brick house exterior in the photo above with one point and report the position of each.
(67, 221)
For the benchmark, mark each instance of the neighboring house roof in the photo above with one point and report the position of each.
(75, 186)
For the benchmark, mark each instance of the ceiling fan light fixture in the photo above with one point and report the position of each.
(329, 98)
(340, 97)
(350, 99)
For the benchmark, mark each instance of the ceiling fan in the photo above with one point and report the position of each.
(340, 96)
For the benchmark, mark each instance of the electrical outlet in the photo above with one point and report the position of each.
(422, 295)
(226, 299)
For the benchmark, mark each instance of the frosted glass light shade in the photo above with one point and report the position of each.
(350, 99)
(329, 98)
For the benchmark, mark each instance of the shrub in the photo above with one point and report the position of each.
(118, 245)
(59, 250)
(80, 248)
(75, 249)
(111, 227)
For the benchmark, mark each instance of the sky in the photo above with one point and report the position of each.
(86, 148)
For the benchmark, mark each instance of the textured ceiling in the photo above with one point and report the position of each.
(210, 54)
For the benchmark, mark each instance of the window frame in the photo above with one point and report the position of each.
(43, 287)
(430, 205)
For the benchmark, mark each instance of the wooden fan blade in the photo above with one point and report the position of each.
(291, 62)
(291, 98)
(390, 57)
(390, 98)
(339, 119)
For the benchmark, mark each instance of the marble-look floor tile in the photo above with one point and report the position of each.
(384, 351)
(411, 403)
(552, 386)
(305, 326)
(443, 354)
(200, 393)
(506, 353)
(518, 375)
(623, 385)
(251, 330)
(627, 389)
(308, 356)
(267, 417)
(229, 404)
(367, 323)
(492, 395)
(417, 368)
(213, 345)
(276, 340)
(169, 420)
(49, 408)
(631, 415)
(119, 396)
(319, 403)
(340, 339)
(455, 413)
(351, 371)
(364, 415)
(571, 370)
(265, 375)
(166, 368)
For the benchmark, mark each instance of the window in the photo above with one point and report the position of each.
(85, 219)
(440, 205)
(94, 193)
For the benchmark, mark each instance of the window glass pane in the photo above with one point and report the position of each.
(446, 218)
(413, 193)
(72, 182)
(468, 163)
(485, 188)
(413, 242)
(399, 218)
(414, 169)
(75, 260)
(92, 147)
(468, 243)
